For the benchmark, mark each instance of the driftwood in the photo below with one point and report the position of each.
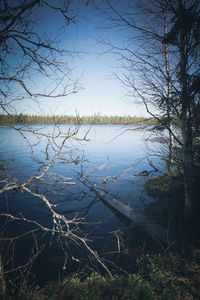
(143, 173)
(159, 232)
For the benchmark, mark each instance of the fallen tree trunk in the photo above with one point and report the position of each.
(159, 232)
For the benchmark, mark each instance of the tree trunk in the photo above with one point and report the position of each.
(159, 232)
(187, 163)
(169, 117)
(185, 115)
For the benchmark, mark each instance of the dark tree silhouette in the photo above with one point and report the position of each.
(159, 59)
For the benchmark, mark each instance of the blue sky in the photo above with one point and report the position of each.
(101, 93)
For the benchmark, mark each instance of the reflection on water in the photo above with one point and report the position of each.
(110, 159)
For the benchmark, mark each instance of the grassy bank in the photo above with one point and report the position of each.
(168, 209)
(65, 119)
(168, 192)
(161, 276)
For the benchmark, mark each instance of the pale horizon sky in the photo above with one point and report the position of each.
(102, 93)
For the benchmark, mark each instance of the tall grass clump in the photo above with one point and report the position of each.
(69, 119)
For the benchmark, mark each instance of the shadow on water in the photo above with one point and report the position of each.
(116, 240)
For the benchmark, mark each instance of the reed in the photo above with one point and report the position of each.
(69, 119)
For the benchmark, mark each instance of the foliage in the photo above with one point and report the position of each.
(164, 184)
(173, 276)
(169, 193)
(162, 276)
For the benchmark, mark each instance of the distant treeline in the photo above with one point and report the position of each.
(96, 119)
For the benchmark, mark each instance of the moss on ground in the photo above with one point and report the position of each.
(165, 185)
(168, 209)
(161, 276)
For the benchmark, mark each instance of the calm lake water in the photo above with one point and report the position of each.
(109, 159)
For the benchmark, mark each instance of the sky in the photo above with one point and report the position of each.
(101, 92)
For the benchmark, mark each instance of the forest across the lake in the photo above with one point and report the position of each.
(70, 119)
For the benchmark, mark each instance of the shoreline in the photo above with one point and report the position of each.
(72, 120)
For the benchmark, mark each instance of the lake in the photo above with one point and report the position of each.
(110, 159)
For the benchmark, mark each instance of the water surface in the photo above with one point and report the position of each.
(110, 159)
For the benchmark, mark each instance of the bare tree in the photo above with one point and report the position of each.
(185, 38)
(145, 60)
(160, 66)
(34, 66)
(169, 100)
(28, 51)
